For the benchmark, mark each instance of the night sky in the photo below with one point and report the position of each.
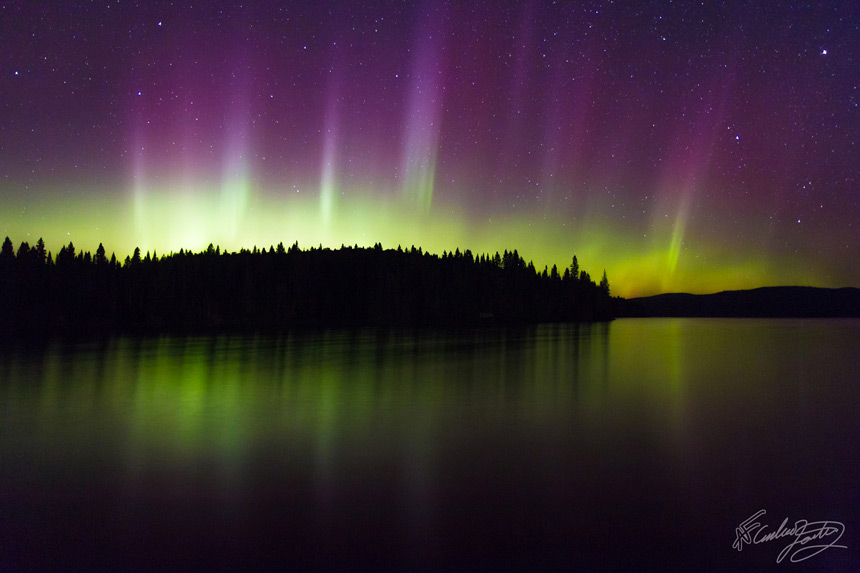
(681, 146)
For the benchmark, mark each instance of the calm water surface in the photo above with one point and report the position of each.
(636, 444)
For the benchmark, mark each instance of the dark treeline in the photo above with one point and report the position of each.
(281, 288)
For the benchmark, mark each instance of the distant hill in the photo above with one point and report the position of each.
(765, 302)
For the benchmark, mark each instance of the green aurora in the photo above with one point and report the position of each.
(639, 261)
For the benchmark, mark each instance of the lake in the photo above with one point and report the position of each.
(636, 444)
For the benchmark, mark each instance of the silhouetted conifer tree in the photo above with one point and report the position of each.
(7, 253)
(39, 251)
(100, 258)
(604, 284)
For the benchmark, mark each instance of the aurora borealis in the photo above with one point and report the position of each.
(681, 147)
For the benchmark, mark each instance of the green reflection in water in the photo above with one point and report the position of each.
(564, 411)
(177, 398)
(337, 399)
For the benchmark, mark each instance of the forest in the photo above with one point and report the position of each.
(280, 288)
